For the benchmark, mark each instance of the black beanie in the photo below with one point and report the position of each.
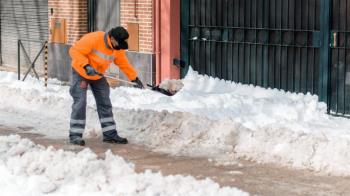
(121, 35)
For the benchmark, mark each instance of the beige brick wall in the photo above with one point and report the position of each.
(143, 18)
(75, 13)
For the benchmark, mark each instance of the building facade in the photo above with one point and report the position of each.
(154, 35)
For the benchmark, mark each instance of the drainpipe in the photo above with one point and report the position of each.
(135, 8)
(156, 38)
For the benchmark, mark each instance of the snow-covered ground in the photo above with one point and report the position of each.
(208, 117)
(29, 169)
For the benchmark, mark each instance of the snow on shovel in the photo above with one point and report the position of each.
(169, 92)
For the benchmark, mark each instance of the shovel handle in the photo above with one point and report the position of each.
(121, 80)
(115, 78)
(153, 88)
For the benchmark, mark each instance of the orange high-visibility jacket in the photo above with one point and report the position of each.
(96, 49)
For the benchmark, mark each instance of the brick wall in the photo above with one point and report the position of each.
(75, 13)
(143, 18)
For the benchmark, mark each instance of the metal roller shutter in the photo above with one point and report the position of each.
(105, 15)
(22, 20)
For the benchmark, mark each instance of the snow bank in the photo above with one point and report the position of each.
(225, 140)
(207, 117)
(28, 169)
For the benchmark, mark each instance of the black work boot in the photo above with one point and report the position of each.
(116, 139)
(77, 141)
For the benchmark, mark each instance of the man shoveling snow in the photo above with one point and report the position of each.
(92, 55)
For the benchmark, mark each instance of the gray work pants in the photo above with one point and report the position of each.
(100, 89)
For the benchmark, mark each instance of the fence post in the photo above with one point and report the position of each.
(184, 35)
(19, 59)
(45, 64)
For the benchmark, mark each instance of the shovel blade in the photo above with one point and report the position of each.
(161, 90)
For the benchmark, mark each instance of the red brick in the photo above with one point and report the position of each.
(75, 12)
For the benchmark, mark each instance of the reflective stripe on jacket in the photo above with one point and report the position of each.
(95, 49)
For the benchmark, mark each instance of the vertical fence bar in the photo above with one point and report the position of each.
(280, 45)
(239, 45)
(294, 52)
(236, 46)
(256, 41)
(263, 42)
(193, 44)
(230, 19)
(307, 47)
(248, 44)
(197, 41)
(312, 47)
(345, 48)
(337, 60)
(210, 43)
(313, 51)
(300, 47)
(324, 88)
(223, 55)
(249, 55)
(207, 49)
(215, 43)
(274, 47)
(226, 24)
(244, 46)
(201, 49)
(266, 48)
(286, 49)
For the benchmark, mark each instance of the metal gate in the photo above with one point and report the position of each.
(294, 45)
(22, 20)
(340, 58)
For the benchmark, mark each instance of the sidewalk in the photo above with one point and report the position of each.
(261, 179)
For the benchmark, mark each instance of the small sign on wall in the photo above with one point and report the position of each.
(58, 30)
(133, 41)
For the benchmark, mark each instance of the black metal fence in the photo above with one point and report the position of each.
(294, 45)
(32, 63)
(271, 43)
(340, 58)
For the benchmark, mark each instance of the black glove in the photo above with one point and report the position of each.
(138, 83)
(90, 71)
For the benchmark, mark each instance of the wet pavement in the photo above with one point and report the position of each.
(260, 179)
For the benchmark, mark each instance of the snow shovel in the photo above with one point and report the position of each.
(161, 90)
(153, 87)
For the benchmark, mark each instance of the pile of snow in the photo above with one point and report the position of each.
(207, 117)
(28, 169)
